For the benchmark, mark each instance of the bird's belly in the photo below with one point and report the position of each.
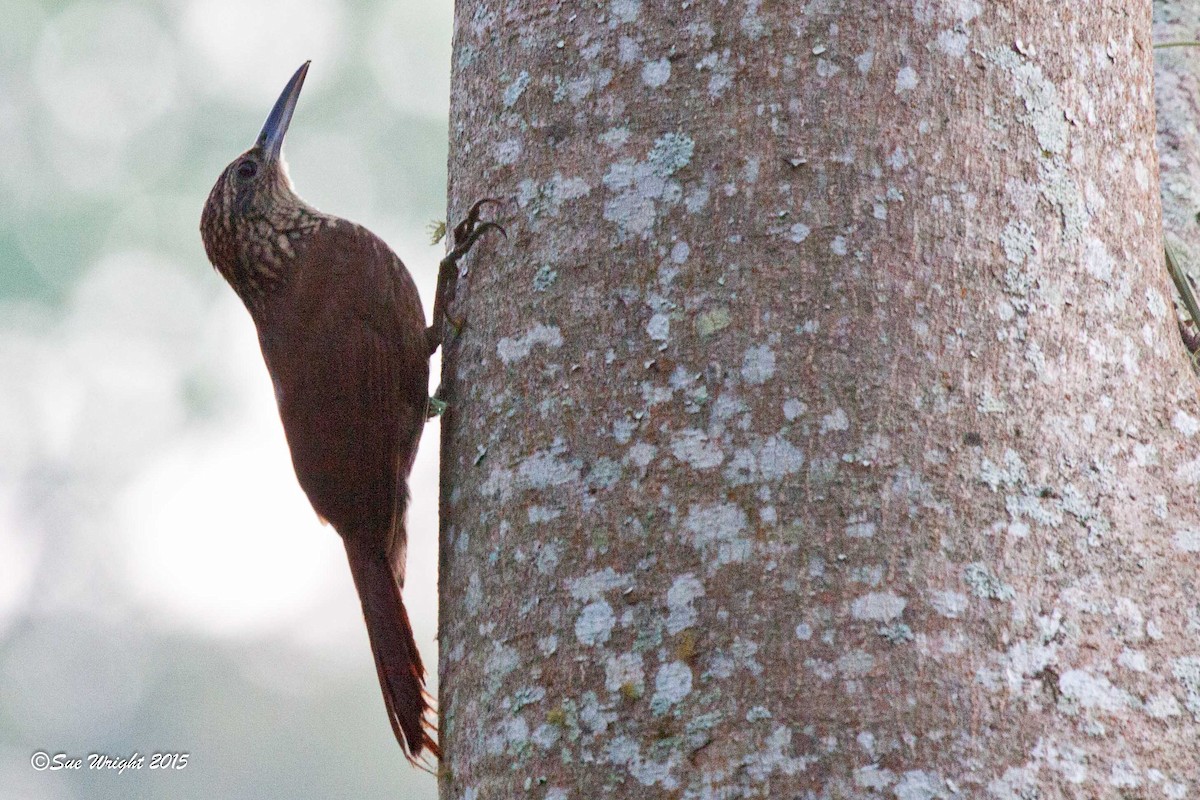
(343, 443)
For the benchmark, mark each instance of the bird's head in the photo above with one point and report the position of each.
(252, 201)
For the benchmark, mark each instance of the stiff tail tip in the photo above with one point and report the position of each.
(397, 660)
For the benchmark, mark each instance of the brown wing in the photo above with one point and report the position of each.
(344, 343)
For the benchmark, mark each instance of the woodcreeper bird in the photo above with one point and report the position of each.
(343, 335)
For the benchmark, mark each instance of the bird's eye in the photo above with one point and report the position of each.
(247, 169)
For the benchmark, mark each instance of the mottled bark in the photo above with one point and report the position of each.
(1177, 96)
(1177, 100)
(822, 429)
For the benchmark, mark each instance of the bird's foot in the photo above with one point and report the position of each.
(466, 234)
(468, 231)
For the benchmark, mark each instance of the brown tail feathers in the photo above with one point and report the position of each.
(401, 674)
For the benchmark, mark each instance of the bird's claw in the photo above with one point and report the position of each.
(467, 225)
(466, 233)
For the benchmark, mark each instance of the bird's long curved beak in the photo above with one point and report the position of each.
(270, 139)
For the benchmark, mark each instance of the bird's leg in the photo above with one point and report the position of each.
(466, 233)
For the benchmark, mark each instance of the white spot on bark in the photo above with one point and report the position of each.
(640, 185)
(856, 663)
(778, 457)
(499, 484)
(628, 50)
(1185, 423)
(546, 736)
(594, 624)
(672, 683)
(626, 10)
(694, 448)
(1163, 706)
(986, 584)
(1044, 112)
(1018, 242)
(758, 713)
(549, 197)
(878, 607)
(773, 757)
(1156, 304)
(548, 556)
(624, 670)
(512, 350)
(659, 327)
(641, 454)
(656, 73)
(949, 604)
(860, 529)
(542, 514)
(508, 151)
(751, 23)
(835, 421)
(1133, 660)
(681, 615)
(544, 469)
(1189, 472)
(827, 68)
(719, 525)
(1093, 691)
(502, 661)
(513, 92)
(953, 42)
(1187, 671)
(873, 777)
(593, 585)
(906, 80)
(1140, 173)
(671, 152)
(614, 137)
(626, 752)
(758, 365)
(1188, 540)
(474, 594)
(1097, 261)
(750, 173)
(921, 785)
(792, 409)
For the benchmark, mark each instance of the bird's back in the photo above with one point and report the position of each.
(344, 343)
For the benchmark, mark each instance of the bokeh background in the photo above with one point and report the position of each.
(164, 586)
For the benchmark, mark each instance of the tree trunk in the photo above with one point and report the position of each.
(821, 429)
(1177, 92)
(1177, 101)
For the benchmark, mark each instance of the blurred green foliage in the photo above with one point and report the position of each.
(115, 119)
